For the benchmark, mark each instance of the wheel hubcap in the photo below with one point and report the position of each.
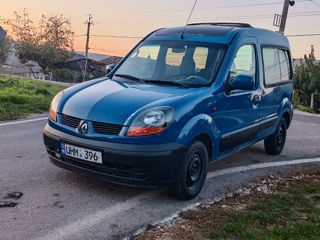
(194, 170)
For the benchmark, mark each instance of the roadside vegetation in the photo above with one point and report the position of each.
(306, 109)
(20, 97)
(307, 84)
(278, 209)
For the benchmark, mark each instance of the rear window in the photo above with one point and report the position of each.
(276, 64)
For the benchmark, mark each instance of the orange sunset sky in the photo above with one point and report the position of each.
(139, 17)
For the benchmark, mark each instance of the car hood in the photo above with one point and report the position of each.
(114, 101)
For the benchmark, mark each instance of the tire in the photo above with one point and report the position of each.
(192, 172)
(274, 144)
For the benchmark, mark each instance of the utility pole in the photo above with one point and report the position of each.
(89, 22)
(285, 14)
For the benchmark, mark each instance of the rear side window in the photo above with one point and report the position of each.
(284, 65)
(276, 66)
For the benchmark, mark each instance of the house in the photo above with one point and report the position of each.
(78, 65)
(110, 60)
(12, 66)
(2, 33)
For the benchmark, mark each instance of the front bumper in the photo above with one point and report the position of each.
(147, 165)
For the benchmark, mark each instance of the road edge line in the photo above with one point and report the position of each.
(22, 121)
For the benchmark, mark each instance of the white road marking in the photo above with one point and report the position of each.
(98, 217)
(260, 166)
(95, 218)
(22, 121)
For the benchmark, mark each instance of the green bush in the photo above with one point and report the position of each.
(307, 81)
(296, 100)
(306, 109)
(316, 102)
(42, 91)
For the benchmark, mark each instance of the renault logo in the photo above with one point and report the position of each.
(84, 128)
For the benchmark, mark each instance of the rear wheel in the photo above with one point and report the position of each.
(192, 172)
(274, 144)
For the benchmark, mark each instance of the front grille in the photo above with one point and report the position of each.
(106, 128)
(70, 121)
(98, 127)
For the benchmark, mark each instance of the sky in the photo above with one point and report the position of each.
(136, 18)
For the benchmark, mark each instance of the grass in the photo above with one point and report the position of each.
(291, 213)
(306, 109)
(21, 97)
(278, 216)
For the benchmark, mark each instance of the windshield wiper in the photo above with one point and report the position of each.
(167, 83)
(130, 77)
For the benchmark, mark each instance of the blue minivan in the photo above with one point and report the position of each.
(182, 98)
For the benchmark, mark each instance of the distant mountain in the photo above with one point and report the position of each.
(95, 56)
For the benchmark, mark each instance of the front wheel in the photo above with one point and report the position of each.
(192, 172)
(274, 144)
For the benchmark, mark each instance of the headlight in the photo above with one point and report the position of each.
(54, 106)
(151, 121)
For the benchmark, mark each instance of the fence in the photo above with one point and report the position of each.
(22, 71)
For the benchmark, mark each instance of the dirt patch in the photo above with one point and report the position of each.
(7, 204)
(14, 195)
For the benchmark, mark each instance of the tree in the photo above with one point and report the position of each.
(4, 49)
(307, 80)
(48, 42)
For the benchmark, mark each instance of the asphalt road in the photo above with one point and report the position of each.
(58, 204)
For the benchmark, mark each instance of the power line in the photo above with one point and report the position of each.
(209, 8)
(107, 36)
(260, 16)
(114, 36)
(137, 37)
(290, 35)
(249, 5)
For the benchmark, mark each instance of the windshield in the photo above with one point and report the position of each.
(191, 64)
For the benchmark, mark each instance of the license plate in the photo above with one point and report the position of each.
(81, 153)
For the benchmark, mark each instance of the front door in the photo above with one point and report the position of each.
(237, 113)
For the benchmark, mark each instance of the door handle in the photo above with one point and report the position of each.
(256, 98)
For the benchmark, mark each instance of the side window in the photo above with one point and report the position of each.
(244, 62)
(276, 66)
(284, 65)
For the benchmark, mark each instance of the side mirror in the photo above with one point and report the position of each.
(241, 82)
(109, 68)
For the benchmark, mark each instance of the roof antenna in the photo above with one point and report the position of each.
(184, 29)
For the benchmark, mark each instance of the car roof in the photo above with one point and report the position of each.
(218, 33)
